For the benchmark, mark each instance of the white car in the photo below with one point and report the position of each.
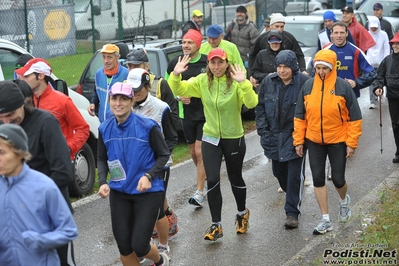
(84, 165)
(302, 7)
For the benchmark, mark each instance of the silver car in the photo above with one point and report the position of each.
(391, 11)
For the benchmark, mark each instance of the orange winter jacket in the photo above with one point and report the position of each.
(74, 128)
(327, 111)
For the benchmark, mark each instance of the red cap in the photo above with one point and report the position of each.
(35, 65)
(395, 38)
(195, 36)
(217, 52)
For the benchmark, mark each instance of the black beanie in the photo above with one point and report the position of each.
(16, 135)
(11, 97)
(22, 60)
(24, 88)
(241, 9)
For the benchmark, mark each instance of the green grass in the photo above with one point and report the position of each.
(70, 67)
(385, 228)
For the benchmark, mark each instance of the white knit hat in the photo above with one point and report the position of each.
(276, 17)
(329, 65)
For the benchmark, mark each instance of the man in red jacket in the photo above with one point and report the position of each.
(362, 37)
(37, 73)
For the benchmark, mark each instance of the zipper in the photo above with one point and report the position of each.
(321, 111)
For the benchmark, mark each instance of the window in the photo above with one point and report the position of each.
(7, 62)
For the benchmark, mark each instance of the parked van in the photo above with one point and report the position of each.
(159, 17)
(303, 7)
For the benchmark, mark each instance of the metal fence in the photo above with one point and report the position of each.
(30, 22)
(72, 30)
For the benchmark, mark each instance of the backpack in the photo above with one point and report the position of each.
(227, 37)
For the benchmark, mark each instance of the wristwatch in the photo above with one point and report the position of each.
(149, 177)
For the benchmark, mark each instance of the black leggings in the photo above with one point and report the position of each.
(393, 105)
(317, 161)
(233, 151)
(165, 176)
(133, 218)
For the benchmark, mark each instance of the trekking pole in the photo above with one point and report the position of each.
(380, 100)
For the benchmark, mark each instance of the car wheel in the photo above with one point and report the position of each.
(84, 172)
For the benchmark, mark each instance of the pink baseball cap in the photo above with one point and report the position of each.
(120, 88)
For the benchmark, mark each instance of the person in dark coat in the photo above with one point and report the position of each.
(277, 22)
(264, 61)
(275, 111)
(388, 75)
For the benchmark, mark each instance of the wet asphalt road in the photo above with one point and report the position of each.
(266, 242)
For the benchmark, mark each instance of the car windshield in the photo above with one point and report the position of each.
(305, 33)
(391, 8)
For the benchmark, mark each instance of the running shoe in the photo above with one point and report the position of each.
(197, 199)
(214, 232)
(323, 227)
(172, 220)
(165, 259)
(242, 222)
(164, 249)
(344, 210)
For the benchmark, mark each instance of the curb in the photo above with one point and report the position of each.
(363, 208)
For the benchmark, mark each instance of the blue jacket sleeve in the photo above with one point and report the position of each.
(65, 229)
(260, 114)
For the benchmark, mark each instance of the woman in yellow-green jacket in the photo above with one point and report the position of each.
(223, 90)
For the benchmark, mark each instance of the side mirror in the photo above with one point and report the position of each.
(96, 10)
(60, 85)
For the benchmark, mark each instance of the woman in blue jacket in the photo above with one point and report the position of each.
(132, 149)
(35, 219)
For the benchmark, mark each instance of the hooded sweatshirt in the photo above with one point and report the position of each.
(276, 108)
(327, 111)
(378, 52)
(264, 61)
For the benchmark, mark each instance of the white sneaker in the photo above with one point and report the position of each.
(164, 249)
(323, 227)
(197, 199)
(165, 258)
(344, 210)
(372, 106)
(280, 190)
